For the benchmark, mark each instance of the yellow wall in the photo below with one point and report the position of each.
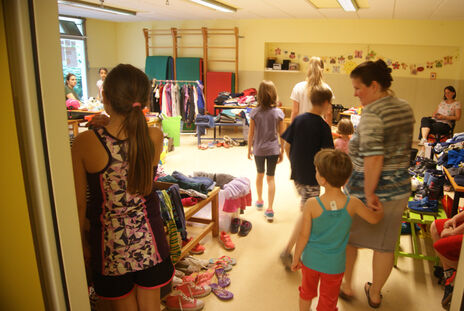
(423, 94)
(19, 282)
(102, 50)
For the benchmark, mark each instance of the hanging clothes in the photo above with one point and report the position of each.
(175, 247)
(191, 106)
(201, 97)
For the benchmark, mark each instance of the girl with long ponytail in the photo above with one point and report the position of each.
(301, 91)
(124, 243)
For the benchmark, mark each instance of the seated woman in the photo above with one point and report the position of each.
(441, 122)
(69, 91)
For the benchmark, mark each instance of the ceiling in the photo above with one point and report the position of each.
(149, 10)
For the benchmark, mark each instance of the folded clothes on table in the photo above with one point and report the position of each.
(424, 205)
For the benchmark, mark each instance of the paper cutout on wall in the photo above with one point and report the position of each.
(439, 63)
(285, 52)
(333, 60)
(420, 68)
(389, 62)
(404, 66)
(306, 59)
(358, 54)
(396, 65)
(336, 69)
(277, 51)
(370, 55)
(433, 75)
(292, 55)
(448, 60)
(413, 69)
(350, 57)
(349, 66)
(341, 60)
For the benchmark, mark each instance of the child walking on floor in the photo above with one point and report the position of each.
(345, 129)
(305, 137)
(266, 126)
(320, 248)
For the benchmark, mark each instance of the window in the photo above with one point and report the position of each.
(73, 52)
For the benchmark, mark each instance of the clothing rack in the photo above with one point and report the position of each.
(180, 81)
(205, 34)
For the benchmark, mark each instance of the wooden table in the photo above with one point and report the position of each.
(75, 126)
(458, 192)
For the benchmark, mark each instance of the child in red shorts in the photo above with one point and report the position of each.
(320, 248)
(447, 240)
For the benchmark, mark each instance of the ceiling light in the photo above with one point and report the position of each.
(348, 5)
(216, 5)
(97, 7)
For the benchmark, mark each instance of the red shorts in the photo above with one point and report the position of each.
(449, 247)
(329, 289)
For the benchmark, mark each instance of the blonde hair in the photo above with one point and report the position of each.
(334, 165)
(345, 127)
(267, 95)
(314, 74)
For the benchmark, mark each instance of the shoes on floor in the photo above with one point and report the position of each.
(197, 249)
(226, 241)
(286, 259)
(448, 294)
(259, 205)
(245, 228)
(269, 214)
(193, 290)
(178, 301)
(235, 225)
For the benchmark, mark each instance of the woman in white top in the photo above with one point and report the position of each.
(300, 93)
(448, 111)
(102, 72)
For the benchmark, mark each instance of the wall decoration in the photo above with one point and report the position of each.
(333, 60)
(371, 55)
(448, 60)
(433, 75)
(404, 66)
(350, 57)
(336, 69)
(292, 55)
(413, 69)
(326, 69)
(285, 52)
(358, 54)
(430, 65)
(277, 51)
(306, 59)
(341, 60)
(349, 66)
(439, 63)
(389, 62)
(420, 68)
(396, 65)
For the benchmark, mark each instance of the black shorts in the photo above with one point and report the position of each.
(271, 162)
(117, 287)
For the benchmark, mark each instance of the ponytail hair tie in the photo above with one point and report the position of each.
(136, 104)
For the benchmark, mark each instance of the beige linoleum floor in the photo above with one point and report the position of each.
(259, 281)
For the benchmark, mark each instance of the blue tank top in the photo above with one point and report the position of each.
(325, 251)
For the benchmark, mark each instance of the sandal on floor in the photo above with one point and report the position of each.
(344, 296)
(222, 277)
(367, 288)
(220, 292)
(226, 259)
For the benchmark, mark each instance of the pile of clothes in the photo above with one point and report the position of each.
(246, 98)
(451, 152)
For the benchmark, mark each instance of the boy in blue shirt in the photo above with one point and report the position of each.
(305, 137)
(324, 232)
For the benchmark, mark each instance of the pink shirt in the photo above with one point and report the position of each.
(341, 144)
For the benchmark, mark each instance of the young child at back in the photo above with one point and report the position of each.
(345, 129)
(266, 126)
(320, 248)
(305, 137)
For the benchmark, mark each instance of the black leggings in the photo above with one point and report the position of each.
(434, 126)
(271, 164)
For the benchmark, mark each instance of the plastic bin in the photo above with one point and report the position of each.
(171, 126)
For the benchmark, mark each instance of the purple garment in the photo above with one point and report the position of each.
(237, 188)
(168, 100)
(265, 140)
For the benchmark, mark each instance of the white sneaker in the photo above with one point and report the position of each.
(422, 141)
